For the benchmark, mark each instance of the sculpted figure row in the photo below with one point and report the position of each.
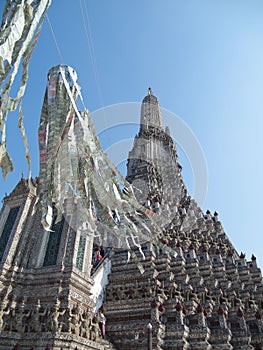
(74, 320)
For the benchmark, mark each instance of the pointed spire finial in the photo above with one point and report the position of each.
(167, 130)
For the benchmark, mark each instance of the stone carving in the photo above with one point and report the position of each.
(3, 313)
(94, 329)
(53, 317)
(85, 327)
(34, 318)
(74, 319)
(20, 314)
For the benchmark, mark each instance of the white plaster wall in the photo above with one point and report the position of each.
(100, 282)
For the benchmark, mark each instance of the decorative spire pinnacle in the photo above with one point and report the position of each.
(167, 130)
(150, 112)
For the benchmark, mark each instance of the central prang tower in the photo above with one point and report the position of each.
(208, 296)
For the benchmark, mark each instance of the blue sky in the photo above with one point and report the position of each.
(203, 60)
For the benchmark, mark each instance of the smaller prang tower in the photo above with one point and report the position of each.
(46, 299)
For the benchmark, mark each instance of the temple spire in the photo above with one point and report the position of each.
(152, 166)
(150, 112)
